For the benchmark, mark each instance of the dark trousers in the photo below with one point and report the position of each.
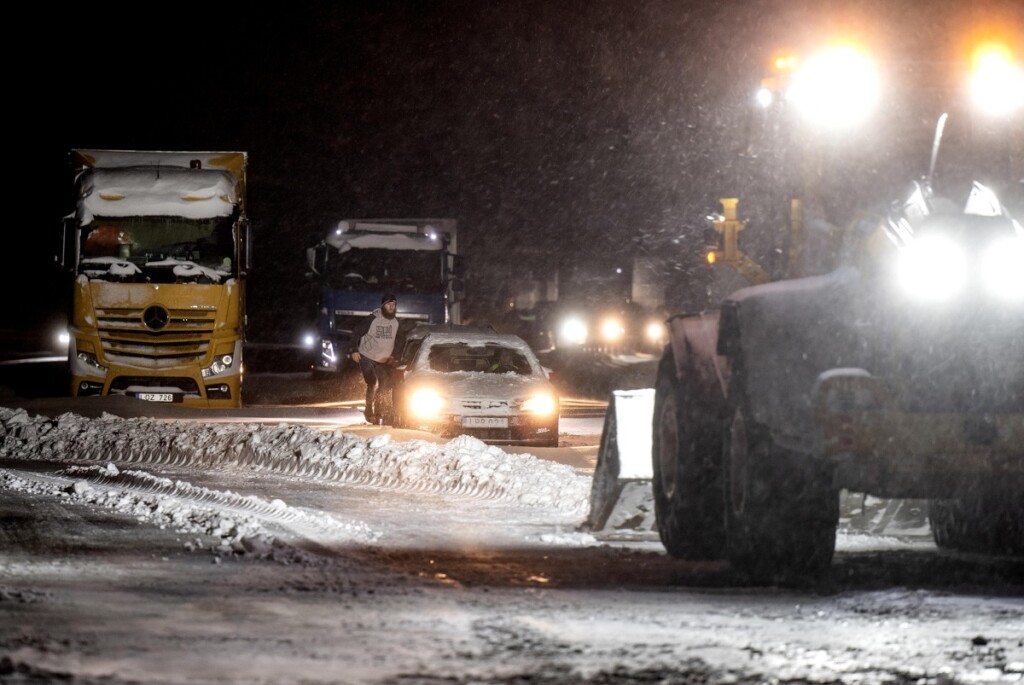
(378, 380)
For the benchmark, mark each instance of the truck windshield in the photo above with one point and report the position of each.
(416, 271)
(158, 249)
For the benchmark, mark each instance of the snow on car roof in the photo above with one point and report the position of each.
(478, 339)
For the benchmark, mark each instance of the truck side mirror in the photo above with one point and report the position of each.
(316, 260)
(67, 258)
(245, 251)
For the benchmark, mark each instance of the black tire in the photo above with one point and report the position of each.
(685, 450)
(781, 507)
(983, 521)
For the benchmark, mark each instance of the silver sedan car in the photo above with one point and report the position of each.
(488, 385)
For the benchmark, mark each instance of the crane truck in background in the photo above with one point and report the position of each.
(159, 247)
(361, 259)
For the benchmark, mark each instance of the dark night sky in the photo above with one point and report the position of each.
(551, 130)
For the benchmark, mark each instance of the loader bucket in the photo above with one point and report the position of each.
(620, 497)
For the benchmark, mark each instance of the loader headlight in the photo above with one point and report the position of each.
(426, 404)
(932, 269)
(1003, 269)
(573, 332)
(541, 404)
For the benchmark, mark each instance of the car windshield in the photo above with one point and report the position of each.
(489, 358)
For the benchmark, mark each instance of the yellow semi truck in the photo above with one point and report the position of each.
(158, 245)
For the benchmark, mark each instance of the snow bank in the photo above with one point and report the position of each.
(463, 466)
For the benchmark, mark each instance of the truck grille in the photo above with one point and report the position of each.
(150, 335)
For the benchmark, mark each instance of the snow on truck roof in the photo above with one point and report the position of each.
(193, 185)
(234, 162)
(392, 234)
(146, 191)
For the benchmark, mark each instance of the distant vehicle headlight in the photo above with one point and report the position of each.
(426, 404)
(932, 269)
(308, 340)
(1003, 269)
(612, 330)
(541, 404)
(655, 331)
(63, 338)
(573, 332)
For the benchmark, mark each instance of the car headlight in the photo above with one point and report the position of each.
(932, 269)
(541, 404)
(426, 404)
(612, 330)
(219, 366)
(573, 332)
(1003, 269)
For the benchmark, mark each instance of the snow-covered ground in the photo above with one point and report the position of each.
(159, 550)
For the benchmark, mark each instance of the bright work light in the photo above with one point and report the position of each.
(836, 88)
(997, 84)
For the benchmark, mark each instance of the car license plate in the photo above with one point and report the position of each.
(484, 422)
(155, 396)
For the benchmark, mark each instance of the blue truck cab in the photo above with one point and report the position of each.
(361, 259)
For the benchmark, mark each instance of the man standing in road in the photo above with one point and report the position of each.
(373, 345)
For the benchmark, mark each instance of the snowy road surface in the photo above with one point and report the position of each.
(144, 550)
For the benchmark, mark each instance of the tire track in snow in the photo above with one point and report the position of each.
(242, 523)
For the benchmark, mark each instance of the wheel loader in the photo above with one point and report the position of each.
(900, 374)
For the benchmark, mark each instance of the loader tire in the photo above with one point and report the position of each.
(781, 509)
(982, 522)
(687, 480)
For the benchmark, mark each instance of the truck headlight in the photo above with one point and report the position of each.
(426, 404)
(932, 269)
(541, 404)
(1003, 269)
(89, 359)
(327, 352)
(219, 366)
